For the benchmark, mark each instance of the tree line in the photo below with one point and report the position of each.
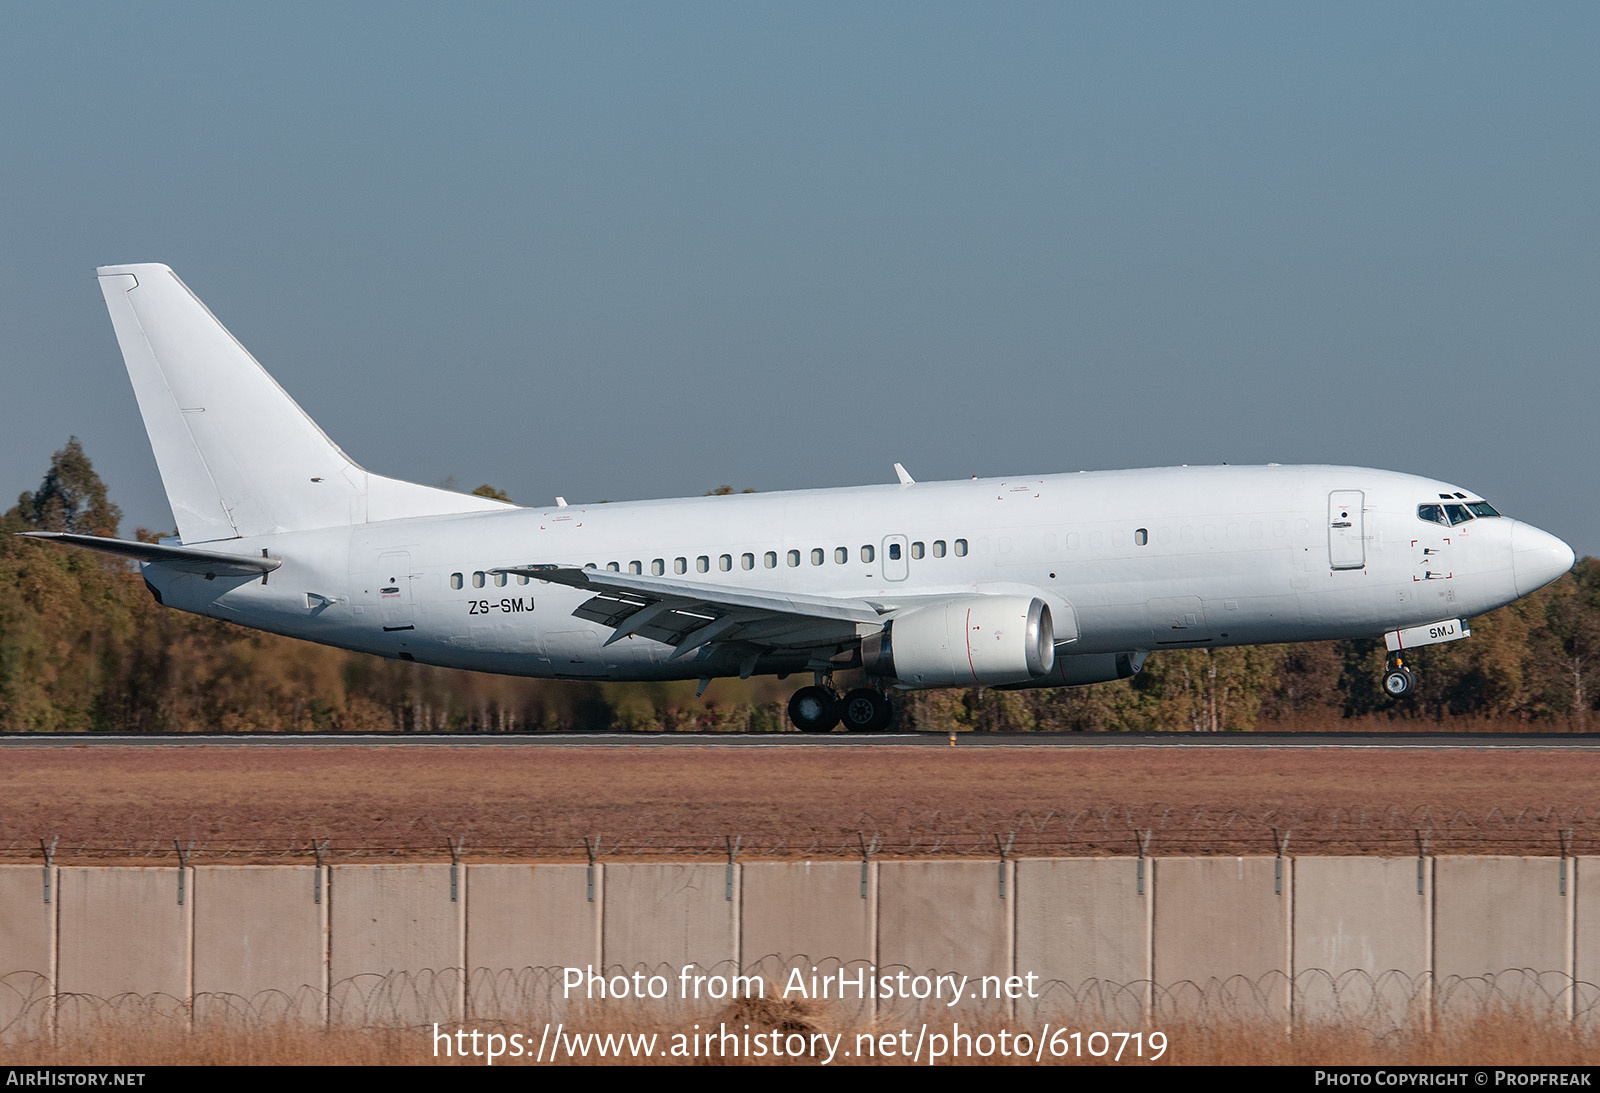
(84, 647)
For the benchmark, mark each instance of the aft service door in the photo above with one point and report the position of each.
(1347, 540)
(394, 591)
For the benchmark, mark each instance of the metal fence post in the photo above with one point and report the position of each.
(866, 857)
(49, 858)
(593, 849)
(455, 863)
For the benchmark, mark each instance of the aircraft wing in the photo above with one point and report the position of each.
(689, 615)
(213, 563)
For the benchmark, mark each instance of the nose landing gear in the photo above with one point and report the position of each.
(1398, 680)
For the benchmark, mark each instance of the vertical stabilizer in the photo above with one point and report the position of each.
(237, 455)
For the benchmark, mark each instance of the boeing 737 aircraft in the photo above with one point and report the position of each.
(1046, 581)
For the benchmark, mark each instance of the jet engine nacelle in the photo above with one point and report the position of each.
(982, 640)
(1081, 669)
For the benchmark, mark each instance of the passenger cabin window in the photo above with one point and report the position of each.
(636, 568)
(477, 579)
(500, 580)
(725, 562)
(961, 548)
(770, 559)
(456, 581)
(747, 561)
(816, 556)
(841, 555)
(894, 552)
(614, 567)
(794, 558)
(658, 567)
(1141, 536)
(867, 554)
(522, 578)
(938, 548)
(702, 564)
(680, 565)
(917, 550)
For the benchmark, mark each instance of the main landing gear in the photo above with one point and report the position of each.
(814, 709)
(819, 708)
(1398, 680)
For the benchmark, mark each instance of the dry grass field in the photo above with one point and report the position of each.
(541, 803)
(1504, 1039)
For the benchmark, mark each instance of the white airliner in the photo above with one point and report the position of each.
(1045, 581)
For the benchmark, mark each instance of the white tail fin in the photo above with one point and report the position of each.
(237, 455)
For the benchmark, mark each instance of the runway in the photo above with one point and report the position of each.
(1165, 741)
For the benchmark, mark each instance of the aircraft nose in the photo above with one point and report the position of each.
(1537, 557)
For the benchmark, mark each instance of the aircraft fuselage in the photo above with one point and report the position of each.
(1175, 557)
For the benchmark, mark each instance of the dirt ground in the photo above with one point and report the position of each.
(126, 804)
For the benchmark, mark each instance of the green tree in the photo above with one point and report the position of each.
(1212, 690)
(71, 498)
(63, 613)
(1572, 633)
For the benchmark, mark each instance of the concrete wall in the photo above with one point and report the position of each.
(1503, 931)
(1585, 883)
(260, 939)
(27, 946)
(522, 921)
(1363, 935)
(1222, 935)
(122, 932)
(814, 919)
(943, 918)
(397, 944)
(1308, 938)
(1084, 933)
(665, 916)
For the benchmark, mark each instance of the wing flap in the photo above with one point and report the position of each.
(689, 615)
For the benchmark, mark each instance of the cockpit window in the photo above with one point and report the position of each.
(1453, 514)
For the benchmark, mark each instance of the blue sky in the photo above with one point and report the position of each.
(613, 251)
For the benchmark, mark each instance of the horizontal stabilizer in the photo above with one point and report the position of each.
(211, 562)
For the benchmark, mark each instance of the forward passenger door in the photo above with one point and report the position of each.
(1347, 537)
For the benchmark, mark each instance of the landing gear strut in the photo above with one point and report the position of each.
(1398, 680)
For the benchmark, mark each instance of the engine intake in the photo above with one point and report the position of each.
(982, 640)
